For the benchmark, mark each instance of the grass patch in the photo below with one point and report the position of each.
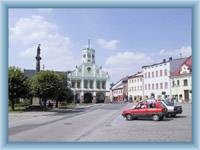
(17, 109)
(67, 106)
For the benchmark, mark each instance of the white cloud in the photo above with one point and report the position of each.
(126, 63)
(183, 51)
(55, 48)
(111, 45)
(127, 59)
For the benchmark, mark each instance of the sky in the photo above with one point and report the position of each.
(124, 39)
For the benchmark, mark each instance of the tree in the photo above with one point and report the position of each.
(18, 85)
(46, 85)
(64, 93)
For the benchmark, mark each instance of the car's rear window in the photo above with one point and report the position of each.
(161, 105)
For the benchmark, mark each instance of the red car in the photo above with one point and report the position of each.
(154, 110)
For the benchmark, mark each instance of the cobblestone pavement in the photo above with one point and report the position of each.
(98, 123)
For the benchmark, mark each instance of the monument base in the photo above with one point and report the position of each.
(36, 105)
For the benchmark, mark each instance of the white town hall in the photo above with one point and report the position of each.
(88, 81)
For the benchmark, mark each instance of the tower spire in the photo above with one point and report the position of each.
(89, 43)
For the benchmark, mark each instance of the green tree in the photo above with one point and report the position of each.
(45, 85)
(18, 85)
(64, 93)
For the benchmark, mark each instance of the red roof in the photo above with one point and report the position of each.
(187, 62)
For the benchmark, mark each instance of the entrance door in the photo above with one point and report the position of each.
(88, 98)
(100, 97)
(186, 95)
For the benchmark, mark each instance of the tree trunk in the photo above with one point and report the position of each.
(44, 104)
(13, 104)
(56, 103)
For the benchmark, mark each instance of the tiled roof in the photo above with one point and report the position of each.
(138, 74)
(32, 72)
(176, 63)
(188, 62)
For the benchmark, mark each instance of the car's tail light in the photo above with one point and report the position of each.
(164, 110)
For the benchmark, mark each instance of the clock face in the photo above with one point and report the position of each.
(88, 69)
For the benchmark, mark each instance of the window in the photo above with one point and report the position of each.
(85, 84)
(84, 56)
(173, 83)
(185, 82)
(161, 85)
(177, 82)
(78, 84)
(152, 86)
(73, 84)
(156, 73)
(91, 84)
(103, 84)
(149, 87)
(145, 75)
(148, 74)
(156, 85)
(166, 85)
(141, 79)
(98, 85)
(145, 87)
(161, 73)
(152, 74)
(165, 72)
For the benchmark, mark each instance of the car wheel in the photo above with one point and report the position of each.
(173, 115)
(155, 117)
(129, 117)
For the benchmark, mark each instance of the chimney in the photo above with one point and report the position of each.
(164, 60)
(170, 58)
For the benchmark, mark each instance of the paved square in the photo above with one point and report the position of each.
(98, 123)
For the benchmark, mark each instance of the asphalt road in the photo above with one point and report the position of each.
(98, 123)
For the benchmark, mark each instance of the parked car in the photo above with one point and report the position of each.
(144, 109)
(172, 110)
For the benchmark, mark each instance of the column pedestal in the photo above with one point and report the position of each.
(94, 100)
(81, 99)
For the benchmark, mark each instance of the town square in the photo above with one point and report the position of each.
(100, 75)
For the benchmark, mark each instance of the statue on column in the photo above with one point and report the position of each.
(38, 58)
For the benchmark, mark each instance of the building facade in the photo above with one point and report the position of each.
(135, 87)
(88, 81)
(157, 80)
(181, 82)
(119, 91)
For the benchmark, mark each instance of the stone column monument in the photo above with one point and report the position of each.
(36, 104)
